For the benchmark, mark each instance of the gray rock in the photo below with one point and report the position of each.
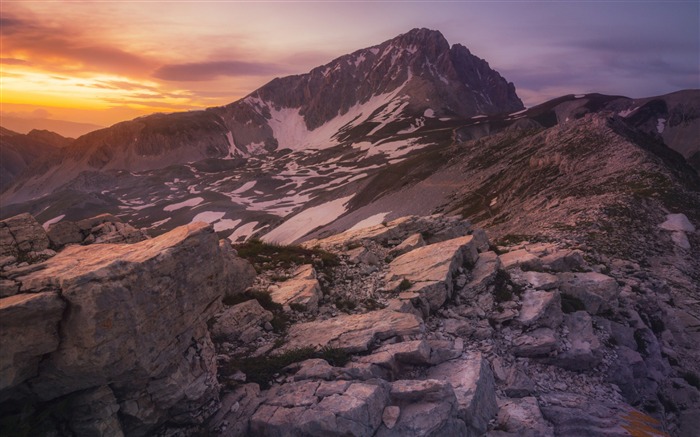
(580, 415)
(240, 272)
(390, 416)
(428, 408)
(541, 280)
(518, 384)
(430, 269)
(482, 275)
(133, 307)
(243, 322)
(236, 409)
(301, 291)
(598, 292)
(539, 342)
(353, 333)
(299, 410)
(414, 241)
(94, 413)
(541, 308)
(23, 238)
(474, 388)
(564, 261)
(523, 417)
(28, 330)
(64, 233)
(520, 258)
(586, 350)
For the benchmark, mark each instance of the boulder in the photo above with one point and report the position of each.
(94, 413)
(243, 322)
(564, 261)
(523, 417)
(429, 269)
(474, 387)
(240, 272)
(540, 308)
(28, 330)
(574, 414)
(413, 241)
(520, 258)
(102, 229)
(361, 255)
(539, 342)
(586, 350)
(302, 409)
(64, 233)
(136, 321)
(482, 275)
(353, 333)
(23, 239)
(427, 408)
(597, 291)
(300, 292)
(540, 280)
(237, 406)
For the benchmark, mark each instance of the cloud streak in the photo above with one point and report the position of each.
(202, 71)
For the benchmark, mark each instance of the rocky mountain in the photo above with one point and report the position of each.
(371, 94)
(444, 262)
(19, 151)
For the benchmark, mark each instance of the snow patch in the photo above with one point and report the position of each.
(579, 96)
(245, 187)
(677, 222)
(52, 221)
(626, 113)
(660, 125)
(189, 202)
(429, 113)
(306, 221)
(208, 217)
(373, 220)
(159, 223)
(244, 232)
(226, 224)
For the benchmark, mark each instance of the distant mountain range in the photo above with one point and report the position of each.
(375, 122)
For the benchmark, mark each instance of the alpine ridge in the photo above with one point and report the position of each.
(349, 100)
(388, 245)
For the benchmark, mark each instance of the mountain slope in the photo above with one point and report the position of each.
(18, 151)
(372, 94)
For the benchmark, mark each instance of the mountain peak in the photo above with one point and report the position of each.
(422, 37)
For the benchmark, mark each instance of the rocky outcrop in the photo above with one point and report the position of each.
(354, 333)
(22, 239)
(104, 228)
(28, 331)
(427, 271)
(133, 333)
(300, 292)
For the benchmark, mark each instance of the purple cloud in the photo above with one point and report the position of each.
(201, 71)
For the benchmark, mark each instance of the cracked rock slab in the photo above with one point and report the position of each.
(353, 333)
(429, 269)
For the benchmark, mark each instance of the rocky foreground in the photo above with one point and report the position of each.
(419, 326)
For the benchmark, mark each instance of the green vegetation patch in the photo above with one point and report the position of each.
(262, 370)
(267, 256)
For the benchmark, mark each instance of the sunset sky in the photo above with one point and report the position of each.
(102, 62)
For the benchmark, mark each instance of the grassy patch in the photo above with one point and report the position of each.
(261, 370)
(266, 256)
(405, 285)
